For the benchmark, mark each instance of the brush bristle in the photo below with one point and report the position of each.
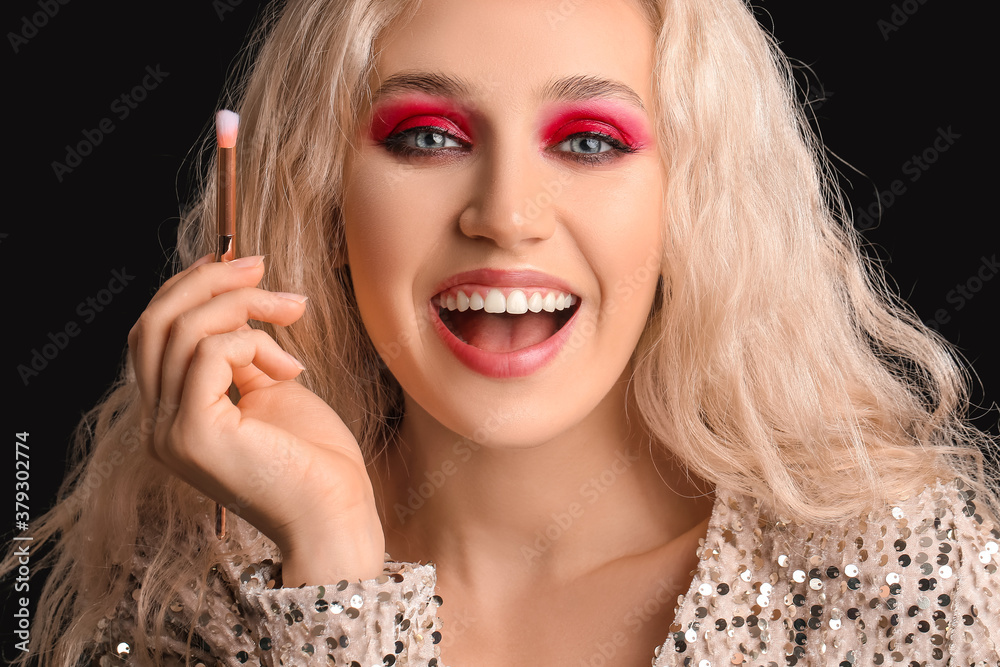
(227, 124)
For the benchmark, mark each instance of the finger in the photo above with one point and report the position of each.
(225, 313)
(204, 259)
(148, 337)
(250, 378)
(174, 279)
(204, 401)
(206, 269)
(194, 285)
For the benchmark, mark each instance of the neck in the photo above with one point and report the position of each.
(600, 492)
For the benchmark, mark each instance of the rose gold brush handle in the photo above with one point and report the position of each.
(226, 128)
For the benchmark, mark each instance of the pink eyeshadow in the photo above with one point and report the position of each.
(427, 110)
(605, 116)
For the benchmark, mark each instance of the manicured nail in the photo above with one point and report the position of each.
(295, 361)
(292, 296)
(247, 262)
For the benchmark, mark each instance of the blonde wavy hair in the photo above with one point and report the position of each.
(776, 361)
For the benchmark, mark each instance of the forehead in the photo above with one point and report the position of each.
(520, 52)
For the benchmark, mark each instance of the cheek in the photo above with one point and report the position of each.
(623, 233)
(379, 219)
(391, 231)
(396, 216)
(374, 222)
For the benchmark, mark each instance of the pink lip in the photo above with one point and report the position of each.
(499, 278)
(518, 363)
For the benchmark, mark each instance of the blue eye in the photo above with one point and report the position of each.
(585, 147)
(590, 147)
(423, 139)
(588, 144)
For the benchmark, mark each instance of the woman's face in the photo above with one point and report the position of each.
(503, 211)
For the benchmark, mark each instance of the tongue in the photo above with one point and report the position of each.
(503, 333)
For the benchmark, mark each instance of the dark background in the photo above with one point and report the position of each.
(882, 93)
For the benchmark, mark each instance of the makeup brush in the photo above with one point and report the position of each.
(227, 124)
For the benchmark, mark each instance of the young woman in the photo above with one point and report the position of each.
(555, 305)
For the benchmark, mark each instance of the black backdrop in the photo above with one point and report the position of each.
(892, 81)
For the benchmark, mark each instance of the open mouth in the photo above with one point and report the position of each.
(504, 320)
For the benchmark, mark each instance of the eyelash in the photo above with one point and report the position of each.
(395, 143)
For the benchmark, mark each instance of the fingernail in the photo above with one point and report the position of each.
(247, 262)
(295, 361)
(292, 296)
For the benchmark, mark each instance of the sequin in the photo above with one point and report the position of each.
(768, 592)
(831, 626)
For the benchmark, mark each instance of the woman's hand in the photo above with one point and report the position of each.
(293, 468)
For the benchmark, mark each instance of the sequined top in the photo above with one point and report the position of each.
(912, 584)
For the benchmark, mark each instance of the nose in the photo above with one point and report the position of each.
(513, 201)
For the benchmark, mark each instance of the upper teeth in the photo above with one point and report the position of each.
(515, 303)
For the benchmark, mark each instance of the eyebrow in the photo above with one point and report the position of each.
(575, 88)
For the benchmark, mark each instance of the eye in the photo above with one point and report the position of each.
(593, 147)
(420, 141)
(585, 147)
